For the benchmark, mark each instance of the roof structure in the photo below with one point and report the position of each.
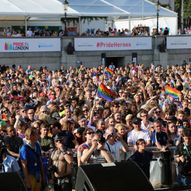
(141, 8)
(96, 8)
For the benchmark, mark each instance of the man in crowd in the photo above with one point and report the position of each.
(183, 158)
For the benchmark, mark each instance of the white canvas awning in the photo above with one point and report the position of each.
(80, 8)
(24, 10)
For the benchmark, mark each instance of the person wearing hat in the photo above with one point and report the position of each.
(61, 160)
(9, 163)
(115, 145)
(137, 133)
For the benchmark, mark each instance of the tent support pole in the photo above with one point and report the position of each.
(182, 16)
(142, 8)
(79, 25)
(26, 25)
(129, 23)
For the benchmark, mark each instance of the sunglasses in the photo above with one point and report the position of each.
(111, 135)
(90, 133)
(143, 115)
(58, 141)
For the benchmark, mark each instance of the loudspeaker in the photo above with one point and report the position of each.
(103, 59)
(134, 58)
(11, 181)
(122, 176)
(103, 55)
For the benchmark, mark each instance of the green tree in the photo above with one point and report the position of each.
(187, 11)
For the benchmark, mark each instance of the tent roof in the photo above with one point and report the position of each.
(55, 8)
(141, 8)
(34, 8)
(96, 8)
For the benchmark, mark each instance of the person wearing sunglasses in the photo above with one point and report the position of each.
(92, 150)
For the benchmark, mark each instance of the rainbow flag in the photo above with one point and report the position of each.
(105, 93)
(173, 92)
(109, 72)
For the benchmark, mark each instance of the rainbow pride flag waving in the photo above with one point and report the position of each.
(105, 93)
(109, 72)
(173, 92)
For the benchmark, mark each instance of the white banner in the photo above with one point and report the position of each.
(116, 43)
(176, 42)
(30, 45)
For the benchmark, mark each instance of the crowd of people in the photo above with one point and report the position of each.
(53, 121)
(45, 32)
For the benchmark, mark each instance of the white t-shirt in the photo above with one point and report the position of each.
(146, 128)
(134, 135)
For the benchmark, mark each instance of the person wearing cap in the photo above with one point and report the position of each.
(9, 163)
(137, 133)
(115, 145)
(61, 160)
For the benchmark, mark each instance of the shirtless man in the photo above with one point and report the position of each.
(62, 165)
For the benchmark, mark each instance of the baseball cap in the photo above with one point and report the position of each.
(136, 120)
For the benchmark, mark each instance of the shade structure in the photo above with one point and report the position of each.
(95, 8)
(54, 9)
(141, 8)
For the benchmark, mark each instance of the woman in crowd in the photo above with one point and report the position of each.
(92, 150)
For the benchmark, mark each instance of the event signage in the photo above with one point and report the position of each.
(30, 45)
(113, 43)
(176, 42)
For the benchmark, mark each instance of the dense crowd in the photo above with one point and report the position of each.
(52, 121)
(45, 32)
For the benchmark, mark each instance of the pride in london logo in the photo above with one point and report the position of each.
(16, 46)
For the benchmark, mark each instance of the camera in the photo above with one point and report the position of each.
(52, 169)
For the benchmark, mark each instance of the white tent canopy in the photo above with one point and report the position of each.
(34, 8)
(107, 8)
(13, 10)
(141, 8)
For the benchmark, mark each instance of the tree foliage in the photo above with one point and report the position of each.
(187, 7)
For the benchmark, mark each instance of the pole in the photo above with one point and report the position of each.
(182, 16)
(157, 17)
(65, 27)
(26, 24)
